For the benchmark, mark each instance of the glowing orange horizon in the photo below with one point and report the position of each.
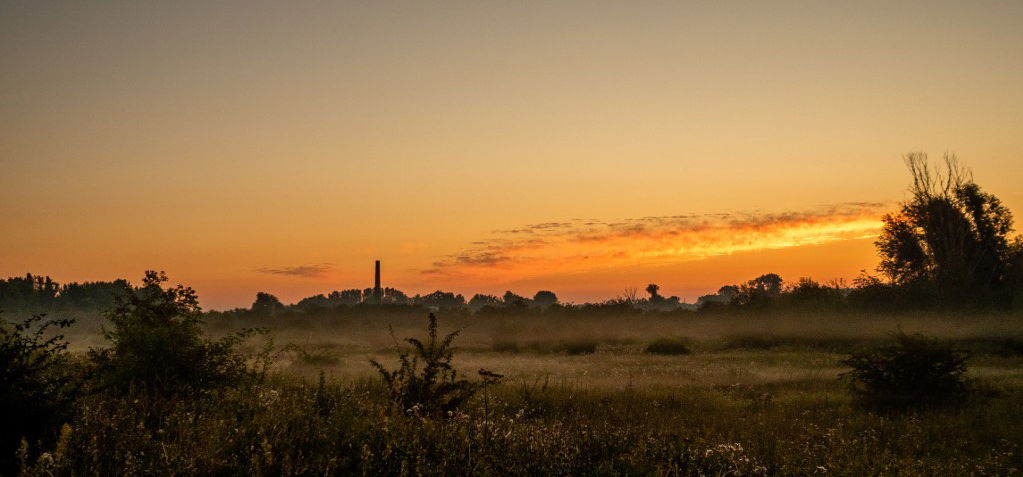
(283, 147)
(583, 246)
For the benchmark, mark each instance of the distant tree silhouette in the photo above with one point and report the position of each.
(809, 292)
(759, 291)
(346, 297)
(513, 299)
(309, 303)
(724, 296)
(394, 296)
(440, 299)
(728, 292)
(267, 305)
(652, 289)
(34, 294)
(544, 298)
(949, 233)
(91, 296)
(480, 300)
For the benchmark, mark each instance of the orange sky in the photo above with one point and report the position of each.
(282, 147)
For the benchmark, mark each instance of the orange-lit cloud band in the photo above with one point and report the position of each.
(584, 245)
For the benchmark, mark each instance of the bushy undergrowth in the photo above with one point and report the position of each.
(668, 346)
(425, 381)
(295, 427)
(157, 345)
(577, 346)
(424, 418)
(912, 371)
(37, 388)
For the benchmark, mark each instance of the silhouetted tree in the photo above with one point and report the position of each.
(440, 299)
(394, 296)
(513, 299)
(346, 297)
(307, 304)
(480, 300)
(949, 233)
(809, 292)
(267, 305)
(157, 345)
(728, 292)
(90, 296)
(652, 289)
(32, 293)
(759, 291)
(544, 298)
(724, 296)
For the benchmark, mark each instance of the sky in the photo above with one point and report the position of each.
(581, 147)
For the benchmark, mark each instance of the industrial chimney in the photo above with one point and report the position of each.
(378, 293)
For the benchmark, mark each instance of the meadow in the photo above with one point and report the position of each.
(719, 395)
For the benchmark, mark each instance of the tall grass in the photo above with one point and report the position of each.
(729, 409)
(295, 427)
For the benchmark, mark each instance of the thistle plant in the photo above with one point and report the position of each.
(425, 382)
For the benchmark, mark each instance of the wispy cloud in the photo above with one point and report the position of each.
(583, 244)
(305, 271)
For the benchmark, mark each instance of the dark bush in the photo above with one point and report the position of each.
(913, 371)
(577, 346)
(37, 391)
(157, 345)
(668, 346)
(425, 383)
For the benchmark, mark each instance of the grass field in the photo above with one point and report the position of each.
(751, 397)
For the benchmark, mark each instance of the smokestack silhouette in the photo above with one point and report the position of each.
(377, 292)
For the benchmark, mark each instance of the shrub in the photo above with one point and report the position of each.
(577, 346)
(157, 345)
(668, 346)
(914, 370)
(37, 391)
(425, 382)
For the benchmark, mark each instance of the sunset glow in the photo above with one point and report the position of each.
(581, 245)
(284, 147)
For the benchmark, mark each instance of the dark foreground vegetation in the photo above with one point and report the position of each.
(426, 419)
(762, 378)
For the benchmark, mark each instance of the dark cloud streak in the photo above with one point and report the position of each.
(304, 271)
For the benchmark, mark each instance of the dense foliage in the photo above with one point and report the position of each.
(37, 388)
(912, 371)
(157, 346)
(291, 428)
(953, 235)
(668, 346)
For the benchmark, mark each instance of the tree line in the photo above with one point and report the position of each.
(950, 245)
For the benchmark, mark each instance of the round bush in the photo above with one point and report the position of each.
(912, 371)
(668, 346)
